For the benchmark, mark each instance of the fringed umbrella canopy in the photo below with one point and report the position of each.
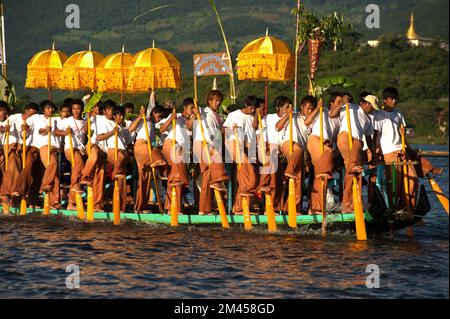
(45, 68)
(154, 69)
(113, 72)
(266, 58)
(79, 71)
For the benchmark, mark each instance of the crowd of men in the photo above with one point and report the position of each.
(264, 150)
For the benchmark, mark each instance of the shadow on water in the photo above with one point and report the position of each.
(151, 261)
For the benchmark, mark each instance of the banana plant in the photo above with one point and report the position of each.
(8, 92)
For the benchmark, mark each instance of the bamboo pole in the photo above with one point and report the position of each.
(297, 44)
(173, 199)
(323, 184)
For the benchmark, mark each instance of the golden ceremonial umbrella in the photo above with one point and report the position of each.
(79, 71)
(45, 69)
(113, 72)
(266, 59)
(154, 69)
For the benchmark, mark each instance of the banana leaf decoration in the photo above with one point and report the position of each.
(93, 102)
(320, 86)
(130, 117)
(7, 90)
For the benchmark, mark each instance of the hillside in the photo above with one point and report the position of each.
(188, 27)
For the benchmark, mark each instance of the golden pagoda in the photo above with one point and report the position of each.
(411, 34)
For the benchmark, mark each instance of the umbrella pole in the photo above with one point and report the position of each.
(266, 97)
(50, 94)
(296, 57)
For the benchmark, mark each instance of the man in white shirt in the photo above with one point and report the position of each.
(213, 174)
(177, 154)
(300, 131)
(388, 135)
(4, 153)
(142, 156)
(271, 172)
(93, 173)
(239, 124)
(107, 133)
(11, 177)
(361, 125)
(40, 125)
(76, 127)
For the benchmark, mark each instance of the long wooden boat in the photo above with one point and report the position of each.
(375, 218)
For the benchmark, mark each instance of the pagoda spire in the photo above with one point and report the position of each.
(411, 34)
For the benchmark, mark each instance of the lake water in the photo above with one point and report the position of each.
(145, 261)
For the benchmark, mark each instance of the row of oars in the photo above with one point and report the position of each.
(292, 209)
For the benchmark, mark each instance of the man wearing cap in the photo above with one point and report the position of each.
(388, 124)
(361, 126)
(371, 158)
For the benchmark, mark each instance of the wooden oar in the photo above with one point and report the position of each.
(173, 198)
(78, 198)
(90, 190)
(221, 206)
(357, 201)
(439, 193)
(245, 203)
(116, 195)
(149, 146)
(409, 229)
(6, 148)
(23, 202)
(292, 204)
(323, 184)
(270, 212)
(49, 146)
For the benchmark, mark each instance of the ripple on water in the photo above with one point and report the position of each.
(151, 261)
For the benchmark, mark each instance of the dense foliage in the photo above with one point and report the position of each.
(190, 27)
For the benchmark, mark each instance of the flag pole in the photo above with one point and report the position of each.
(296, 49)
(3, 46)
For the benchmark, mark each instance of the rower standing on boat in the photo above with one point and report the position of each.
(293, 147)
(108, 133)
(177, 152)
(239, 130)
(368, 156)
(74, 130)
(321, 160)
(145, 164)
(41, 125)
(271, 171)
(213, 173)
(360, 125)
(388, 131)
(93, 173)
